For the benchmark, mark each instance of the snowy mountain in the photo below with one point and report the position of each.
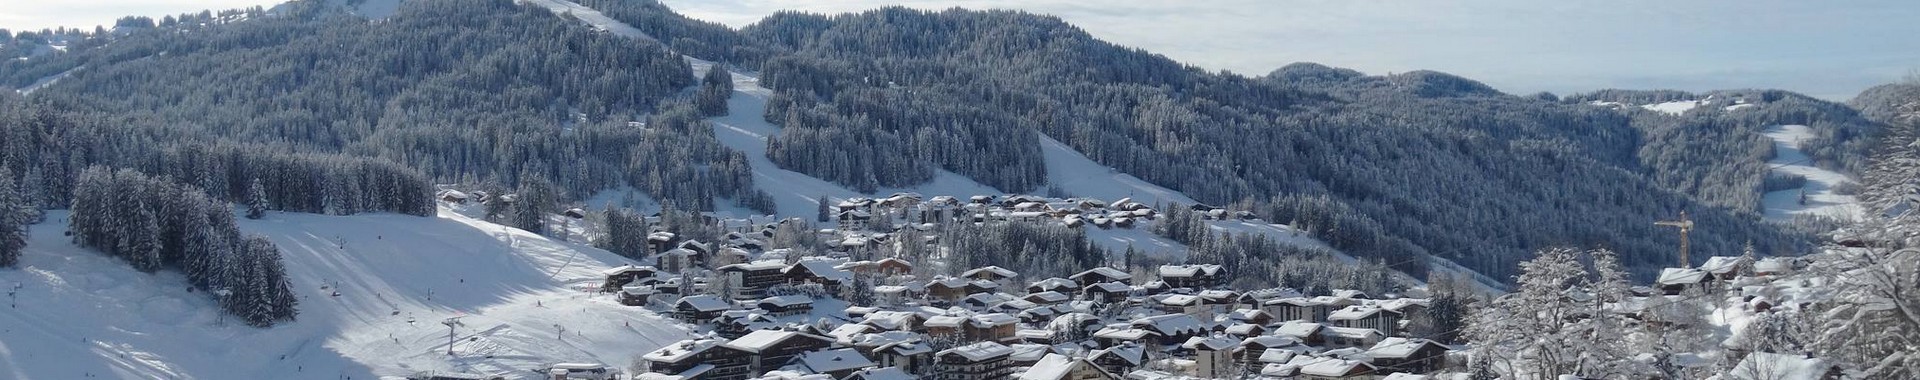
(518, 297)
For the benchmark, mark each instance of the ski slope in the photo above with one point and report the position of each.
(1820, 197)
(795, 193)
(83, 314)
(47, 81)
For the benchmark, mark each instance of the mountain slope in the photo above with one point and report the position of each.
(398, 277)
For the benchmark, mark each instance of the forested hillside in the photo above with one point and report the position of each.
(1395, 168)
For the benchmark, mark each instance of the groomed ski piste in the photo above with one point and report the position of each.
(81, 314)
(1818, 197)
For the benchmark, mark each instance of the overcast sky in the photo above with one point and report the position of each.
(1827, 49)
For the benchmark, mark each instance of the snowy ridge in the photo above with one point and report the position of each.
(1820, 197)
(83, 313)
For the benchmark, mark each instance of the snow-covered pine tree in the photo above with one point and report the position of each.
(13, 220)
(1524, 333)
(256, 200)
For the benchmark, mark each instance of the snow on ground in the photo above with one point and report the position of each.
(49, 80)
(82, 313)
(1737, 106)
(1674, 107)
(591, 17)
(1820, 198)
(1081, 176)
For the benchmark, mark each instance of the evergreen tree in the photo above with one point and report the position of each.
(256, 200)
(14, 216)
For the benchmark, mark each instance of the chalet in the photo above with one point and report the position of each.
(1047, 298)
(1101, 274)
(748, 281)
(892, 267)
(837, 363)
(699, 359)
(912, 355)
(1312, 334)
(700, 308)
(1313, 309)
(733, 324)
(1171, 329)
(1253, 349)
(980, 199)
(989, 273)
(1119, 358)
(618, 277)
(786, 305)
(981, 286)
(1727, 267)
(454, 196)
(1107, 292)
(771, 349)
(818, 271)
(676, 260)
(1352, 337)
(1181, 304)
(1674, 281)
(1212, 356)
(978, 361)
(729, 256)
(853, 219)
(893, 320)
(660, 241)
(1408, 355)
(1053, 284)
(1244, 330)
(1027, 354)
(1121, 334)
(636, 295)
(902, 200)
(949, 289)
(1060, 367)
(1195, 276)
(946, 326)
(1251, 316)
(1366, 317)
(996, 327)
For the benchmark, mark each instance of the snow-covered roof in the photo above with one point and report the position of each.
(762, 339)
(1277, 356)
(1328, 367)
(1111, 287)
(1773, 265)
(1772, 366)
(1722, 264)
(883, 373)
(1178, 300)
(1121, 333)
(995, 270)
(1027, 352)
(978, 352)
(834, 360)
(1050, 367)
(1681, 276)
(1398, 348)
(1184, 271)
(1055, 282)
(824, 268)
(945, 321)
(704, 302)
(787, 300)
(1048, 297)
(1212, 343)
(1170, 323)
(674, 353)
(761, 265)
(992, 320)
(1244, 329)
(1355, 312)
(1108, 272)
(1404, 376)
(1353, 332)
(1130, 353)
(1270, 341)
(1298, 329)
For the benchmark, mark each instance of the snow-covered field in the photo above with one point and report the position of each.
(1674, 107)
(1820, 198)
(81, 313)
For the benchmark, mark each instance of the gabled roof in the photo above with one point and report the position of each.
(1681, 276)
(1050, 367)
(1055, 282)
(787, 300)
(992, 320)
(1723, 264)
(1353, 332)
(1177, 300)
(833, 360)
(759, 340)
(1270, 341)
(704, 302)
(978, 352)
(995, 270)
(945, 321)
(1298, 329)
(623, 269)
(1130, 353)
(1213, 343)
(1352, 313)
(1171, 324)
(1191, 270)
(823, 268)
(1399, 348)
(1048, 297)
(674, 353)
(762, 265)
(1110, 287)
(883, 373)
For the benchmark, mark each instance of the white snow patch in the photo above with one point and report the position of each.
(1073, 172)
(1820, 198)
(592, 17)
(1674, 107)
(1738, 106)
(82, 313)
(47, 81)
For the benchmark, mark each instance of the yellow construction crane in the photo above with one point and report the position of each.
(1685, 225)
